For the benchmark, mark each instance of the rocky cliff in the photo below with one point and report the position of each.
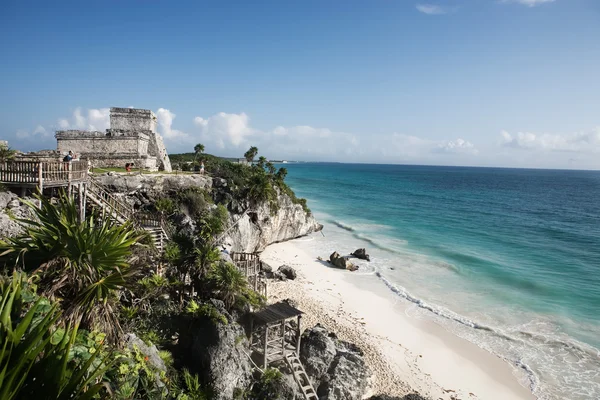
(249, 232)
(11, 208)
(152, 184)
(258, 228)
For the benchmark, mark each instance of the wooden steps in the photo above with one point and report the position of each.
(300, 376)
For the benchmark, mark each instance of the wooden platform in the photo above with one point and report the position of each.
(32, 174)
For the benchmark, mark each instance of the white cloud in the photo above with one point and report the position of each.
(225, 129)
(528, 3)
(39, 131)
(583, 142)
(165, 121)
(96, 119)
(458, 146)
(431, 9)
(232, 134)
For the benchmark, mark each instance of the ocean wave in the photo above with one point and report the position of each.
(342, 225)
(524, 341)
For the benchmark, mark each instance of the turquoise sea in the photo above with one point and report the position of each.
(506, 258)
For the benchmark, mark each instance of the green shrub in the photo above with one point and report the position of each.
(38, 360)
(165, 205)
(206, 310)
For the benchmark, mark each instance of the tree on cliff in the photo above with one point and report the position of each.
(198, 149)
(251, 153)
(262, 161)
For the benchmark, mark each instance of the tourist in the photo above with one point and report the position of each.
(202, 167)
(68, 157)
(128, 167)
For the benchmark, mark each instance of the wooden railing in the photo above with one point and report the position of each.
(34, 172)
(113, 203)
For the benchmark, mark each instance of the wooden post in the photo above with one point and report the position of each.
(70, 178)
(283, 338)
(266, 343)
(81, 210)
(298, 336)
(40, 177)
(84, 198)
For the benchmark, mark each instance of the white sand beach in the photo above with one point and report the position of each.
(406, 354)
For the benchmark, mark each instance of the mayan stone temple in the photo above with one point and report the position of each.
(131, 138)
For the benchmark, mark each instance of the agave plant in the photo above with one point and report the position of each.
(35, 357)
(83, 264)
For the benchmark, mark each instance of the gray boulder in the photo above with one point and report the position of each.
(219, 183)
(265, 267)
(279, 276)
(341, 262)
(289, 272)
(186, 225)
(336, 368)
(220, 351)
(362, 254)
(6, 198)
(317, 351)
(12, 208)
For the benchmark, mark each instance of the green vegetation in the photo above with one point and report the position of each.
(39, 360)
(6, 153)
(251, 153)
(71, 287)
(83, 263)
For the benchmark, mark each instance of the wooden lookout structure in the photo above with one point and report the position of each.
(275, 338)
(73, 176)
(41, 175)
(249, 265)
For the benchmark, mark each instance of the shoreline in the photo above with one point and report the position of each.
(405, 354)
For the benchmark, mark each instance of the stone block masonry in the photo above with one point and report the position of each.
(132, 138)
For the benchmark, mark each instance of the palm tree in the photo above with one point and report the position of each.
(82, 263)
(262, 161)
(198, 149)
(229, 283)
(250, 154)
(6, 153)
(260, 189)
(270, 168)
(281, 173)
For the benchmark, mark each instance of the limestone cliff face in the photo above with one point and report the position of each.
(257, 229)
(250, 232)
(152, 183)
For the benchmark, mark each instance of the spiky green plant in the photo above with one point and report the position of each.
(84, 264)
(228, 282)
(36, 360)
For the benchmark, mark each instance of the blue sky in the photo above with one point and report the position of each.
(457, 82)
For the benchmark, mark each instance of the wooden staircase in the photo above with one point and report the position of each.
(121, 212)
(300, 376)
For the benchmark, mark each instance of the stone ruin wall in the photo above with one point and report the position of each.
(131, 119)
(102, 144)
(157, 148)
(132, 137)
